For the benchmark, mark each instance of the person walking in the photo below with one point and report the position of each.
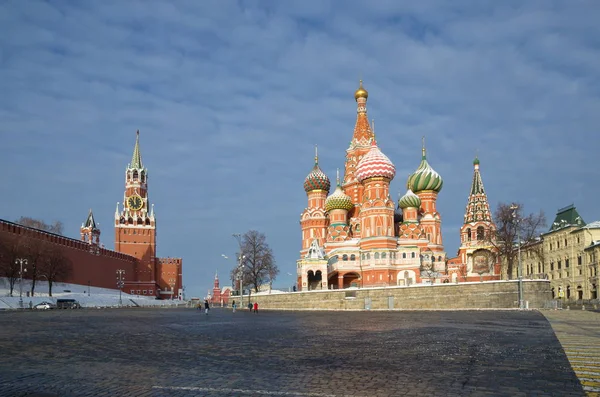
(233, 306)
(255, 307)
(206, 307)
(250, 306)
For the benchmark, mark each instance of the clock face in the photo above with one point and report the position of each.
(135, 202)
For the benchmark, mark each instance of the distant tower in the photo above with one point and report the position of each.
(313, 219)
(477, 235)
(90, 233)
(216, 295)
(135, 224)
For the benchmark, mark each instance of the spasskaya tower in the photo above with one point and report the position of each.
(135, 235)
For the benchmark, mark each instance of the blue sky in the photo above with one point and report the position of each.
(230, 98)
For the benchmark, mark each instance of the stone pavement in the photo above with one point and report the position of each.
(579, 334)
(182, 352)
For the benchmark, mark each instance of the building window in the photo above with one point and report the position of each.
(565, 242)
(132, 291)
(412, 255)
(345, 257)
(404, 255)
(566, 263)
(558, 264)
(352, 257)
(480, 233)
(377, 255)
(579, 260)
(383, 256)
(150, 292)
(138, 291)
(145, 292)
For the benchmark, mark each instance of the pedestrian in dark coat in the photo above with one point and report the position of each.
(206, 306)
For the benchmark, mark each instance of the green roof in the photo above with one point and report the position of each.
(567, 216)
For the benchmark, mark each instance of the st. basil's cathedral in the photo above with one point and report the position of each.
(358, 237)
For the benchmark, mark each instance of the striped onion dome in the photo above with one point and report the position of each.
(375, 164)
(338, 201)
(425, 178)
(316, 180)
(409, 200)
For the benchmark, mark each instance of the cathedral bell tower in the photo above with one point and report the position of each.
(90, 233)
(135, 224)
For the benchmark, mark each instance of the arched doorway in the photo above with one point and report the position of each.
(314, 280)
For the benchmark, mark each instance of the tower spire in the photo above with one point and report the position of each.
(136, 159)
(362, 130)
(423, 152)
(337, 176)
(478, 208)
(316, 155)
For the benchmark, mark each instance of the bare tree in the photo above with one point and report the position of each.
(35, 252)
(510, 224)
(55, 266)
(11, 248)
(259, 263)
(56, 227)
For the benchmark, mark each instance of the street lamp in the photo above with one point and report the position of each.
(514, 208)
(240, 273)
(120, 283)
(21, 262)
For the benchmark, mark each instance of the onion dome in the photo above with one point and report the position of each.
(316, 179)
(409, 200)
(338, 200)
(375, 164)
(425, 178)
(361, 92)
(476, 161)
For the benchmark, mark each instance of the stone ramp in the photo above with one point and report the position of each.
(579, 334)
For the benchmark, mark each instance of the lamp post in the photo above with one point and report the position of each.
(240, 273)
(120, 283)
(21, 262)
(89, 286)
(514, 208)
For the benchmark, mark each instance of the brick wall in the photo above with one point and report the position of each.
(488, 295)
(99, 267)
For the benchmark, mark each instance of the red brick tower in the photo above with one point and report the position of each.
(135, 225)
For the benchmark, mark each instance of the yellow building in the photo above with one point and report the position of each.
(567, 255)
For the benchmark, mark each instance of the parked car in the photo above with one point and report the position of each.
(67, 304)
(44, 306)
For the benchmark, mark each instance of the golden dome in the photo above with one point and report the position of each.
(361, 92)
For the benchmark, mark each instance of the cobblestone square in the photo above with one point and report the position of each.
(183, 352)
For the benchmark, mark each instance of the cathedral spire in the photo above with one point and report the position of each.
(136, 159)
(478, 208)
(362, 130)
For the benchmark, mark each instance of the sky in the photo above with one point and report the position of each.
(230, 98)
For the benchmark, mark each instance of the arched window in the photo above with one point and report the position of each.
(368, 255)
(412, 255)
(480, 233)
(383, 256)
(143, 176)
(130, 221)
(352, 257)
(377, 255)
(135, 175)
(140, 221)
(147, 221)
(345, 257)
(468, 234)
(439, 258)
(404, 255)
(122, 220)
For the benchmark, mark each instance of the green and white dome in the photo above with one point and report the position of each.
(409, 200)
(425, 177)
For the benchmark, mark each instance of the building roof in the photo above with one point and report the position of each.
(136, 159)
(565, 217)
(90, 222)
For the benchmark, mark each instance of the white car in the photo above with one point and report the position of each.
(44, 306)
